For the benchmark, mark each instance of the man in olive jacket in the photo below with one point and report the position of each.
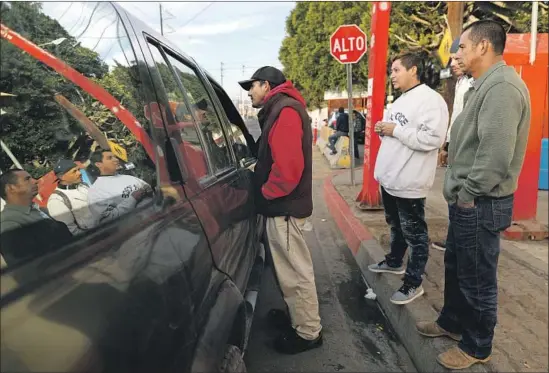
(283, 180)
(485, 158)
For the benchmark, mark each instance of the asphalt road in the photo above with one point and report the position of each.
(357, 336)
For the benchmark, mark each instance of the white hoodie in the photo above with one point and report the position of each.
(406, 163)
(79, 219)
(110, 197)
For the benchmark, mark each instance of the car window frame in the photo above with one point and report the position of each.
(214, 175)
(242, 163)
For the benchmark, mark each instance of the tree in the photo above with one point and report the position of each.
(26, 127)
(305, 52)
(35, 127)
(415, 26)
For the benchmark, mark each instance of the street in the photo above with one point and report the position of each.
(357, 336)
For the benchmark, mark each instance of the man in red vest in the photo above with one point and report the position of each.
(283, 180)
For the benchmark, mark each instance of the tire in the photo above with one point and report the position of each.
(233, 361)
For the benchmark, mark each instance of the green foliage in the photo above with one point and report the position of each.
(415, 26)
(37, 129)
(305, 52)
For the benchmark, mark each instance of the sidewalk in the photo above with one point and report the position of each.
(521, 337)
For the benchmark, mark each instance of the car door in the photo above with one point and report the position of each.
(220, 196)
(121, 297)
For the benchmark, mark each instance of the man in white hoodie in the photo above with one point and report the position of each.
(69, 201)
(113, 195)
(405, 168)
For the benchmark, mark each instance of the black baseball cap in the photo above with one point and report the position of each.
(267, 73)
(63, 166)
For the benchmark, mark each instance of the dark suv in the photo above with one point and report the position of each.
(165, 284)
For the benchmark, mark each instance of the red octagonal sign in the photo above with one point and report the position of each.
(348, 44)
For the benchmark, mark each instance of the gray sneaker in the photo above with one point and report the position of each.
(382, 267)
(406, 294)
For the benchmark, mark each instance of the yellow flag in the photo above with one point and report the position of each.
(444, 48)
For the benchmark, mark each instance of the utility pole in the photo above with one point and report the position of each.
(455, 17)
(161, 20)
(242, 94)
(222, 74)
(455, 13)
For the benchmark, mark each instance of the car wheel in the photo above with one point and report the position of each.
(233, 361)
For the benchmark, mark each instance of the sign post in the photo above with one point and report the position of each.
(351, 120)
(347, 45)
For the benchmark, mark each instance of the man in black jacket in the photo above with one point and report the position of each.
(342, 129)
(283, 180)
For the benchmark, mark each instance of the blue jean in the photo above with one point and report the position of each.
(406, 218)
(471, 261)
(332, 139)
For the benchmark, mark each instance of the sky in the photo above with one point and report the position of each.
(235, 33)
(242, 35)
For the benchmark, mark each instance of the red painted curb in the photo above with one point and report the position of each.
(353, 230)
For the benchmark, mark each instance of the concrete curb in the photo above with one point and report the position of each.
(366, 250)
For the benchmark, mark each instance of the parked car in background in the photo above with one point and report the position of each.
(169, 284)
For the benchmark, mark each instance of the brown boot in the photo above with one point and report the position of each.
(432, 329)
(456, 359)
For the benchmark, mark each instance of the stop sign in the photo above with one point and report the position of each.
(348, 44)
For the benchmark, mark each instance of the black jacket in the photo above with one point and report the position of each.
(342, 122)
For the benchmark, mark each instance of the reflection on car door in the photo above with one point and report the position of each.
(124, 296)
(220, 196)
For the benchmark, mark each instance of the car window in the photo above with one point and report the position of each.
(181, 111)
(202, 112)
(243, 144)
(72, 102)
(242, 151)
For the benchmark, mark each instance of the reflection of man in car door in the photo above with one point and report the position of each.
(69, 201)
(27, 232)
(113, 195)
(283, 178)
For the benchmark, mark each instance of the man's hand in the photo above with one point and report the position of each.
(443, 158)
(384, 128)
(142, 193)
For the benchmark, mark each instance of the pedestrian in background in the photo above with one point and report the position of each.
(341, 127)
(485, 157)
(463, 85)
(283, 179)
(405, 168)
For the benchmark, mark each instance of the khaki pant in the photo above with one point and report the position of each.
(294, 270)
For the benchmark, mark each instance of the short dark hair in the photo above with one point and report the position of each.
(97, 156)
(409, 60)
(8, 178)
(341, 110)
(271, 84)
(488, 30)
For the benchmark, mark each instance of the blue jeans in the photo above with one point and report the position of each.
(406, 218)
(471, 261)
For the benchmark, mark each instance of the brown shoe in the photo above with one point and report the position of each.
(456, 359)
(432, 329)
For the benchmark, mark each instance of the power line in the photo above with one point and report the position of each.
(162, 18)
(197, 14)
(161, 21)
